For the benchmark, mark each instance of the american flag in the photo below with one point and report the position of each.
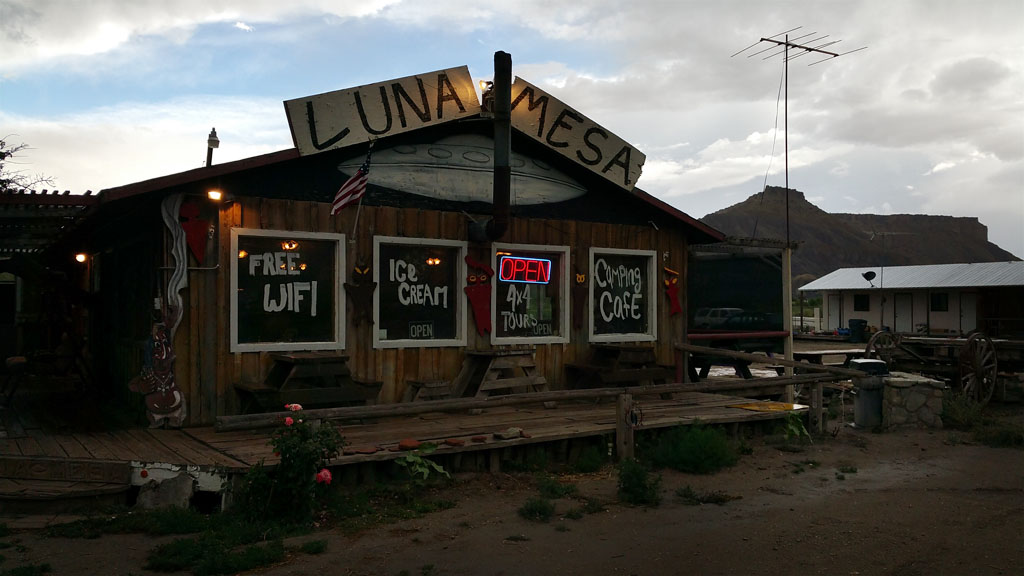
(353, 188)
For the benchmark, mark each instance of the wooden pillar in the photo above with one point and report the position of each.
(624, 428)
(787, 313)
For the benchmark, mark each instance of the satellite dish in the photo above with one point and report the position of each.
(869, 275)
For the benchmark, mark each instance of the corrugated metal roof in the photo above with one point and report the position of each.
(976, 275)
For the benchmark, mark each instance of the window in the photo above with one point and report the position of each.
(939, 302)
(419, 297)
(861, 303)
(286, 290)
(531, 294)
(623, 306)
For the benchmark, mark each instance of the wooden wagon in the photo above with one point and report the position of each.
(970, 364)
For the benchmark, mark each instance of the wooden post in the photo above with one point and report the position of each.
(624, 428)
(787, 307)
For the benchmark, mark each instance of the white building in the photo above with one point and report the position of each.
(932, 299)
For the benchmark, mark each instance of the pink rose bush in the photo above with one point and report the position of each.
(292, 490)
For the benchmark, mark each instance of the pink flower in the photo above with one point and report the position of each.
(288, 421)
(293, 407)
(323, 476)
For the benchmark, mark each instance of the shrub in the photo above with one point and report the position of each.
(697, 449)
(537, 510)
(961, 412)
(290, 493)
(636, 485)
(551, 487)
(591, 459)
(691, 498)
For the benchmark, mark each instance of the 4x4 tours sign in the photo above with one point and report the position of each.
(345, 117)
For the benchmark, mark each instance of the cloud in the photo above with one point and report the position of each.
(928, 118)
(147, 140)
(940, 167)
(42, 32)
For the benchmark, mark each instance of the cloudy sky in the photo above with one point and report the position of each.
(929, 119)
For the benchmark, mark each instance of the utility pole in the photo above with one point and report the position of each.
(814, 45)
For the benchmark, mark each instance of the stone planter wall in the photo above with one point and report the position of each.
(911, 399)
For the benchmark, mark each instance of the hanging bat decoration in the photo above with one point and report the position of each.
(360, 294)
(672, 291)
(478, 290)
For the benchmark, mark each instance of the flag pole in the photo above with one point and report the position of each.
(359, 206)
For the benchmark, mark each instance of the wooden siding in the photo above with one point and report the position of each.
(207, 371)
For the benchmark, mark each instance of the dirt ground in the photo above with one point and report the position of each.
(918, 503)
(904, 503)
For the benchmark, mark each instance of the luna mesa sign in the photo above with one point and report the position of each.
(549, 121)
(345, 117)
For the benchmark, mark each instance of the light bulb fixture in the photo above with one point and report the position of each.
(487, 98)
(81, 257)
(215, 195)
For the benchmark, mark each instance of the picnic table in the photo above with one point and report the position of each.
(618, 364)
(498, 371)
(319, 378)
(818, 356)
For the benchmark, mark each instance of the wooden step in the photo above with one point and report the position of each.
(26, 481)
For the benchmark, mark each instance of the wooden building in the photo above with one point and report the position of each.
(403, 288)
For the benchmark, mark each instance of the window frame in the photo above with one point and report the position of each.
(339, 294)
(458, 294)
(650, 293)
(564, 306)
(867, 302)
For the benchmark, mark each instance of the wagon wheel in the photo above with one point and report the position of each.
(978, 368)
(883, 345)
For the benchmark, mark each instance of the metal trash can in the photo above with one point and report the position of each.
(857, 329)
(867, 403)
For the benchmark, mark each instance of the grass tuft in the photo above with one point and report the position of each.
(696, 449)
(537, 510)
(637, 485)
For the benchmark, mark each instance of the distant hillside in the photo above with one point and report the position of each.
(831, 241)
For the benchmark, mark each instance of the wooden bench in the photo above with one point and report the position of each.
(417, 390)
(781, 370)
(257, 397)
(599, 376)
(618, 364)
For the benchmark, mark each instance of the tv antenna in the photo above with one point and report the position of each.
(812, 43)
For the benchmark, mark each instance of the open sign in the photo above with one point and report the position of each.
(527, 270)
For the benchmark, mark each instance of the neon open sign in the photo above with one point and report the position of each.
(528, 270)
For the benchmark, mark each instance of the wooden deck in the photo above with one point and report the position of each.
(37, 463)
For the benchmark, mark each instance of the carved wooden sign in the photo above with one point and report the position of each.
(345, 117)
(549, 121)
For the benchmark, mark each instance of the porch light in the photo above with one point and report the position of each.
(81, 257)
(215, 195)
